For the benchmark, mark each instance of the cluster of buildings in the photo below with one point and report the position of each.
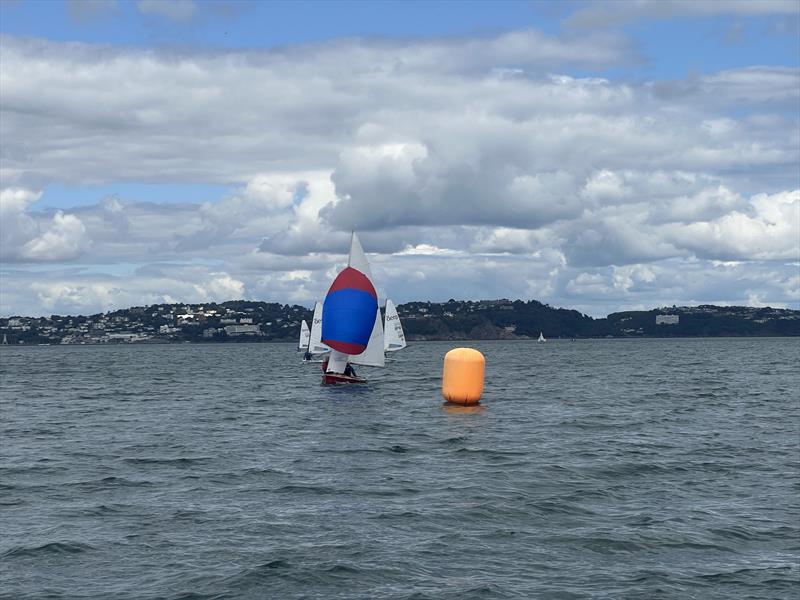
(159, 323)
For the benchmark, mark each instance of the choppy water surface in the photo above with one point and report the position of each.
(597, 469)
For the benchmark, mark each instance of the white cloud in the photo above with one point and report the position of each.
(471, 166)
(707, 204)
(16, 226)
(63, 239)
(605, 186)
(85, 293)
(771, 231)
(24, 237)
(426, 250)
(71, 298)
(224, 287)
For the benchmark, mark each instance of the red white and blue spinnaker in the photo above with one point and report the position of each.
(351, 325)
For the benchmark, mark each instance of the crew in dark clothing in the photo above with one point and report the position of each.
(307, 355)
(349, 371)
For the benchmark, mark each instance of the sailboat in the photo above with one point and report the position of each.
(394, 338)
(315, 347)
(352, 326)
(305, 336)
(541, 338)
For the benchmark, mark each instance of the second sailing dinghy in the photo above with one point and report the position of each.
(305, 336)
(394, 338)
(351, 325)
(315, 347)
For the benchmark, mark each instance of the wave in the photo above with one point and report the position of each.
(111, 481)
(180, 461)
(48, 548)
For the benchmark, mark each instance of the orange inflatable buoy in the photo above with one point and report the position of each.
(462, 376)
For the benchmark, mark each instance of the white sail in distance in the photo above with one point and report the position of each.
(394, 338)
(372, 356)
(305, 336)
(315, 345)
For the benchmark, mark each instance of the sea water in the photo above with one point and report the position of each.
(595, 469)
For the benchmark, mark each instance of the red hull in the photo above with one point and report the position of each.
(334, 378)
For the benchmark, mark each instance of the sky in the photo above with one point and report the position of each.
(600, 156)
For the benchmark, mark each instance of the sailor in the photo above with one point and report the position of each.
(307, 356)
(349, 371)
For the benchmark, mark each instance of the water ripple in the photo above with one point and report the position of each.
(631, 469)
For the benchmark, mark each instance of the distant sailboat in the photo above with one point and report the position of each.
(541, 338)
(394, 338)
(352, 326)
(305, 336)
(315, 346)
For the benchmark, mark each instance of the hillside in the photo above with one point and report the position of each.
(241, 320)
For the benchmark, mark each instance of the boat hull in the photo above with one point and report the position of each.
(336, 378)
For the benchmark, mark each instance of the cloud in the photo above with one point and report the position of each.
(768, 230)
(221, 117)
(399, 119)
(174, 10)
(615, 13)
(63, 239)
(593, 290)
(222, 287)
(749, 86)
(471, 167)
(16, 226)
(88, 293)
(24, 237)
(84, 11)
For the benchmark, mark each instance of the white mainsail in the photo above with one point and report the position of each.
(541, 338)
(305, 336)
(394, 338)
(315, 345)
(373, 355)
(357, 259)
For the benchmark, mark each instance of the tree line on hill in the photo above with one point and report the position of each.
(451, 320)
(506, 319)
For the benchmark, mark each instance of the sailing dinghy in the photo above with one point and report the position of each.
(351, 325)
(305, 336)
(394, 338)
(315, 347)
(541, 338)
